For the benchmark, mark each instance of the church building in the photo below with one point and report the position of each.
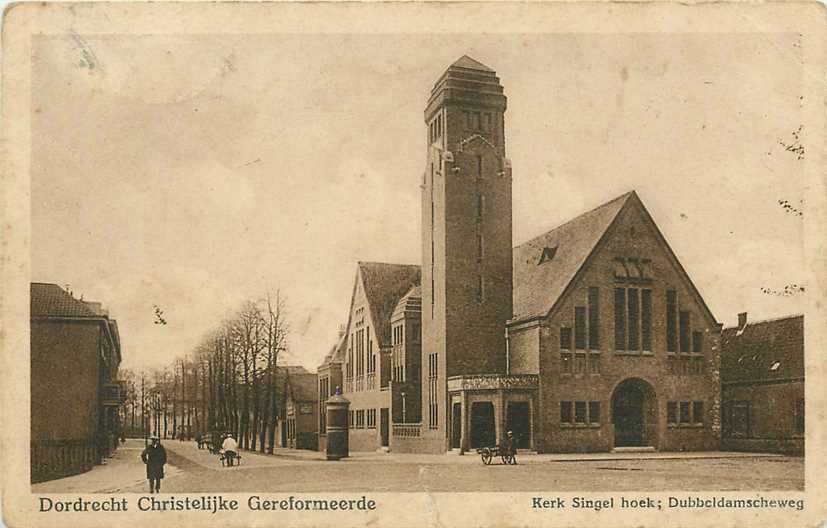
(590, 337)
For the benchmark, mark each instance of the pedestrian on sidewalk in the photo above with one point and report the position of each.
(155, 457)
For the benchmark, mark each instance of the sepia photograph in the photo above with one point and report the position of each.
(312, 268)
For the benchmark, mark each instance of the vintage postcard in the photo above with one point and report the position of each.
(413, 264)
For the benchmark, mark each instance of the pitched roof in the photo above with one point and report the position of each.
(410, 302)
(384, 285)
(336, 353)
(303, 387)
(763, 350)
(50, 300)
(538, 286)
(468, 63)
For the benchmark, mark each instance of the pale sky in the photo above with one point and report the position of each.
(193, 172)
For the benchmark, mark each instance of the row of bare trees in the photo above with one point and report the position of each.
(229, 383)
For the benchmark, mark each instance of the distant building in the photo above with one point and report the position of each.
(283, 373)
(330, 379)
(301, 411)
(75, 392)
(762, 375)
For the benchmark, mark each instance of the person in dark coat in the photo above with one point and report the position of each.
(511, 446)
(154, 456)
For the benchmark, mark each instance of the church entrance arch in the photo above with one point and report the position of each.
(634, 414)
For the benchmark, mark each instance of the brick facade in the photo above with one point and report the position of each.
(593, 373)
(762, 377)
(75, 394)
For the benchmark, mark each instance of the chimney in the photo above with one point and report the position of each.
(742, 320)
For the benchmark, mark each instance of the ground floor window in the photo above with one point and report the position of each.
(736, 420)
(360, 419)
(685, 413)
(579, 412)
(371, 418)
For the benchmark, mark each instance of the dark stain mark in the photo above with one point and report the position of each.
(790, 209)
(795, 145)
(788, 291)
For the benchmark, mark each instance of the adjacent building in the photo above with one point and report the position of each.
(762, 378)
(283, 389)
(330, 380)
(75, 391)
(301, 411)
(368, 355)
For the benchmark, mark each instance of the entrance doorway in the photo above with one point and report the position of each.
(518, 422)
(482, 425)
(384, 426)
(634, 414)
(456, 425)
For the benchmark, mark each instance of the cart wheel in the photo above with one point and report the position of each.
(508, 459)
(486, 456)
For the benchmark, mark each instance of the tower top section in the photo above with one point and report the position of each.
(467, 83)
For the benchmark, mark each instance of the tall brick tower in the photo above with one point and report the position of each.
(466, 237)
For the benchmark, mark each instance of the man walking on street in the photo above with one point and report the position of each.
(154, 456)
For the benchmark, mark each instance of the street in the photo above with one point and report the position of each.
(196, 471)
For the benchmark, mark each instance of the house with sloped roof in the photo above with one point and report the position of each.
(367, 346)
(75, 392)
(762, 385)
(301, 411)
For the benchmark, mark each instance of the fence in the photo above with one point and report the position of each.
(407, 430)
(51, 459)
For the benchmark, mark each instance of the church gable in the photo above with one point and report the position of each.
(634, 253)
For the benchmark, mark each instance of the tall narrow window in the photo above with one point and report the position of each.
(684, 331)
(480, 288)
(594, 318)
(634, 313)
(565, 338)
(646, 319)
(672, 412)
(594, 412)
(479, 168)
(480, 206)
(620, 319)
(698, 412)
(433, 405)
(580, 328)
(580, 412)
(671, 315)
(565, 412)
(697, 342)
(480, 248)
(684, 415)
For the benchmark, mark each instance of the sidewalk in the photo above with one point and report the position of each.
(523, 457)
(123, 470)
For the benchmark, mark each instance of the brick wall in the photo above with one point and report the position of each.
(632, 237)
